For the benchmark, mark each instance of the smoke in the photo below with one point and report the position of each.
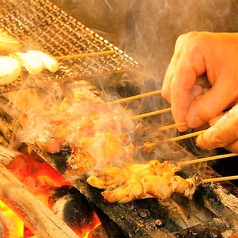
(147, 31)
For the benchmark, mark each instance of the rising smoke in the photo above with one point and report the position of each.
(147, 29)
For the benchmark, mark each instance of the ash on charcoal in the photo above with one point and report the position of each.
(72, 206)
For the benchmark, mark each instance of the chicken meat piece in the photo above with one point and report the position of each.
(131, 190)
(7, 42)
(111, 177)
(116, 176)
(150, 186)
(186, 187)
(10, 70)
(80, 162)
(160, 187)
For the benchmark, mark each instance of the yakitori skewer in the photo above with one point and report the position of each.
(220, 179)
(186, 136)
(148, 114)
(206, 159)
(148, 146)
(163, 128)
(142, 95)
(81, 55)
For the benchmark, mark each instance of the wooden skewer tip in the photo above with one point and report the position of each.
(206, 159)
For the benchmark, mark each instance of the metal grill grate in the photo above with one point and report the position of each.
(41, 25)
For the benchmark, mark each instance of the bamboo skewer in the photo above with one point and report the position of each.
(186, 136)
(150, 114)
(173, 139)
(162, 128)
(64, 57)
(142, 95)
(215, 157)
(220, 179)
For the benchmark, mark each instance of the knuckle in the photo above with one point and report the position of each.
(232, 147)
(165, 94)
(218, 140)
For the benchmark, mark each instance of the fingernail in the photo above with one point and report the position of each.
(203, 143)
(182, 128)
(199, 142)
(194, 122)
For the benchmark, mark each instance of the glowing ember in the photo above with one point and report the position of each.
(42, 180)
(14, 225)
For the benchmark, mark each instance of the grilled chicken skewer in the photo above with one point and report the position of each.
(152, 179)
(139, 181)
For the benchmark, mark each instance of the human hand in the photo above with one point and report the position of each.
(222, 133)
(196, 54)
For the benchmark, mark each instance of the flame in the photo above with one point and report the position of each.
(40, 179)
(13, 223)
(37, 176)
(96, 222)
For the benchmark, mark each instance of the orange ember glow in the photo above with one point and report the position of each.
(96, 222)
(40, 179)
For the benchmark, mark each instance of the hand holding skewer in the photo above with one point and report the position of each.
(199, 101)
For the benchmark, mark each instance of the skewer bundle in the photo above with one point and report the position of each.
(148, 146)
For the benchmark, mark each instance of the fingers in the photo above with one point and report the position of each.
(233, 147)
(223, 133)
(169, 75)
(212, 103)
(186, 64)
(197, 53)
(166, 92)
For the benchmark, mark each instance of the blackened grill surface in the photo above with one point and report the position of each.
(41, 25)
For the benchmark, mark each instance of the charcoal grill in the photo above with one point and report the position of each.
(41, 25)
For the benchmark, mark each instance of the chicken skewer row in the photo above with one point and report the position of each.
(139, 181)
(152, 179)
